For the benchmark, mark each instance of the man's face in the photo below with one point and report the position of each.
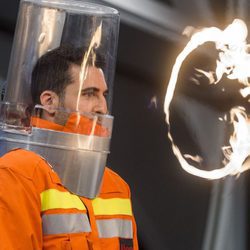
(88, 96)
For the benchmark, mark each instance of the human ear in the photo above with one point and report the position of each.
(50, 100)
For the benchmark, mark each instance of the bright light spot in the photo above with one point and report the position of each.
(153, 102)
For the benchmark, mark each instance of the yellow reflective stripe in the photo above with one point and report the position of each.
(114, 206)
(54, 199)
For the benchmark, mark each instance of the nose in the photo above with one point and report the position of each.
(101, 106)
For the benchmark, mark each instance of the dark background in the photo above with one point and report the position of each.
(171, 206)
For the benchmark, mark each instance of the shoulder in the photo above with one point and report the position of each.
(28, 167)
(113, 183)
(18, 190)
(23, 162)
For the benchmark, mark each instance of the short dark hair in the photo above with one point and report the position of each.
(51, 72)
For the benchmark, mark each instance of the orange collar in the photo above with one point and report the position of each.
(41, 123)
(75, 124)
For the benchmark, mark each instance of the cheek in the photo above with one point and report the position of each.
(85, 105)
(70, 102)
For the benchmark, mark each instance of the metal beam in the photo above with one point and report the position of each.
(201, 8)
(153, 17)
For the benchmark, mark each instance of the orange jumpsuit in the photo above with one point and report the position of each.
(37, 212)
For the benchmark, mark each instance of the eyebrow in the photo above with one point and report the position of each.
(89, 89)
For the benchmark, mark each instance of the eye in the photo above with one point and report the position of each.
(105, 94)
(91, 92)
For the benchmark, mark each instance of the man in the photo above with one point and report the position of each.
(22, 183)
(53, 192)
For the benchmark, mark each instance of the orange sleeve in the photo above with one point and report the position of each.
(20, 221)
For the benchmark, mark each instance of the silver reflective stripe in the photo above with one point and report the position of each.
(65, 223)
(109, 228)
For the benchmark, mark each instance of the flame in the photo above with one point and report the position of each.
(234, 62)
